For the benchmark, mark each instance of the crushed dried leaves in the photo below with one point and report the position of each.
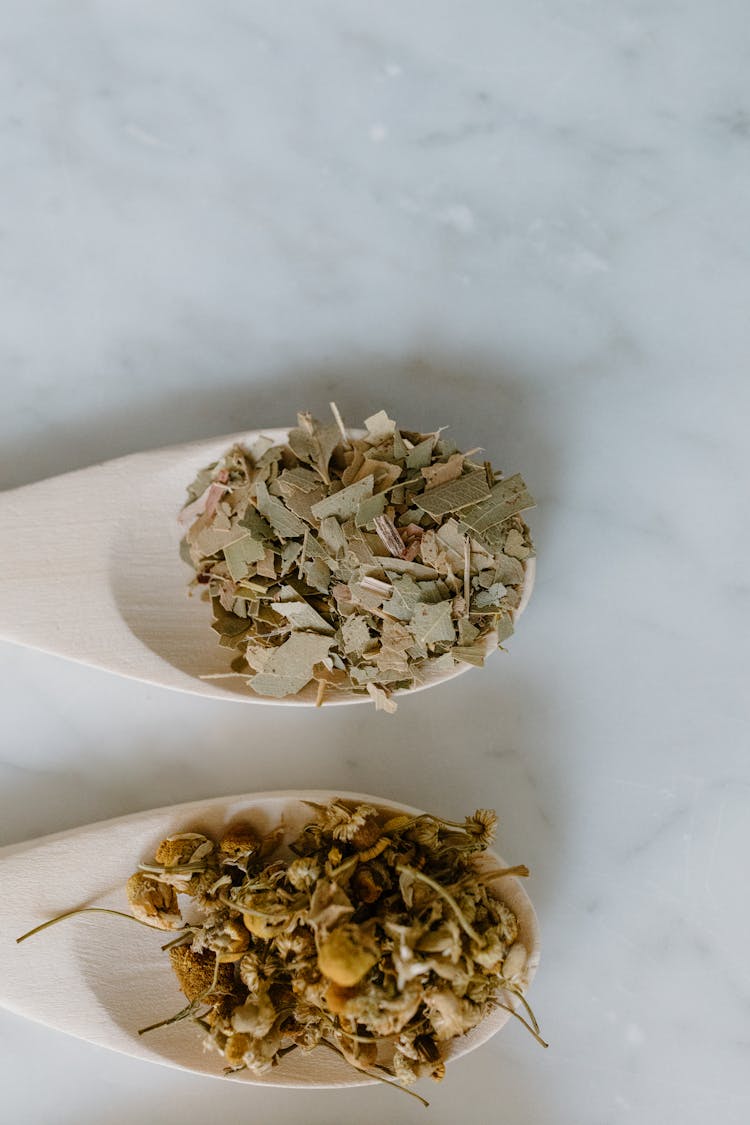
(366, 564)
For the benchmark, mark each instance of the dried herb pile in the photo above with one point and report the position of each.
(367, 564)
(373, 935)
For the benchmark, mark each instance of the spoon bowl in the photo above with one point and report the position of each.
(92, 572)
(101, 978)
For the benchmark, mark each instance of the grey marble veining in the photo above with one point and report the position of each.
(530, 222)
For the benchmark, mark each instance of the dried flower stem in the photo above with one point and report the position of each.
(181, 939)
(516, 991)
(472, 933)
(172, 869)
(84, 910)
(519, 1017)
(186, 1012)
(520, 871)
(377, 1077)
(467, 570)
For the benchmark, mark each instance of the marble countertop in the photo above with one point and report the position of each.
(529, 221)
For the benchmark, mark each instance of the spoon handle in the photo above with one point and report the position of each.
(67, 546)
(54, 544)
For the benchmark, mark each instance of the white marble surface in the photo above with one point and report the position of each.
(530, 221)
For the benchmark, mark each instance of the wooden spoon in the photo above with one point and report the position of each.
(101, 978)
(91, 571)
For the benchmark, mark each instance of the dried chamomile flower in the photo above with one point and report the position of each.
(364, 564)
(369, 882)
(236, 1048)
(404, 1068)
(256, 1016)
(302, 873)
(372, 935)
(425, 831)
(515, 964)
(261, 1054)
(361, 826)
(250, 969)
(153, 902)
(183, 848)
(196, 973)
(228, 938)
(239, 843)
(449, 1014)
(482, 825)
(181, 860)
(347, 954)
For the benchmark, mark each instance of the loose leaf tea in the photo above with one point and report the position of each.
(366, 564)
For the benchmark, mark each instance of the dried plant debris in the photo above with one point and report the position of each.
(367, 564)
(372, 934)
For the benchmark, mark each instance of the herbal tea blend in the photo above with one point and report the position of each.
(366, 564)
(373, 934)
(380, 935)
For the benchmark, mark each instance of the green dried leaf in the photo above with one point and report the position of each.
(489, 597)
(506, 499)
(508, 571)
(404, 599)
(504, 627)
(241, 554)
(317, 575)
(467, 633)
(455, 495)
(289, 555)
(404, 566)
(301, 615)
(432, 624)
(228, 624)
(201, 483)
(370, 508)
(470, 654)
(515, 545)
(254, 522)
(284, 522)
(332, 535)
(355, 634)
(346, 502)
(288, 668)
(211, 540)
(303, 479)
(421, 455)
(400, 452)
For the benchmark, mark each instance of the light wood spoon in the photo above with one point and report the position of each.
(91, 571)
(101, 978)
